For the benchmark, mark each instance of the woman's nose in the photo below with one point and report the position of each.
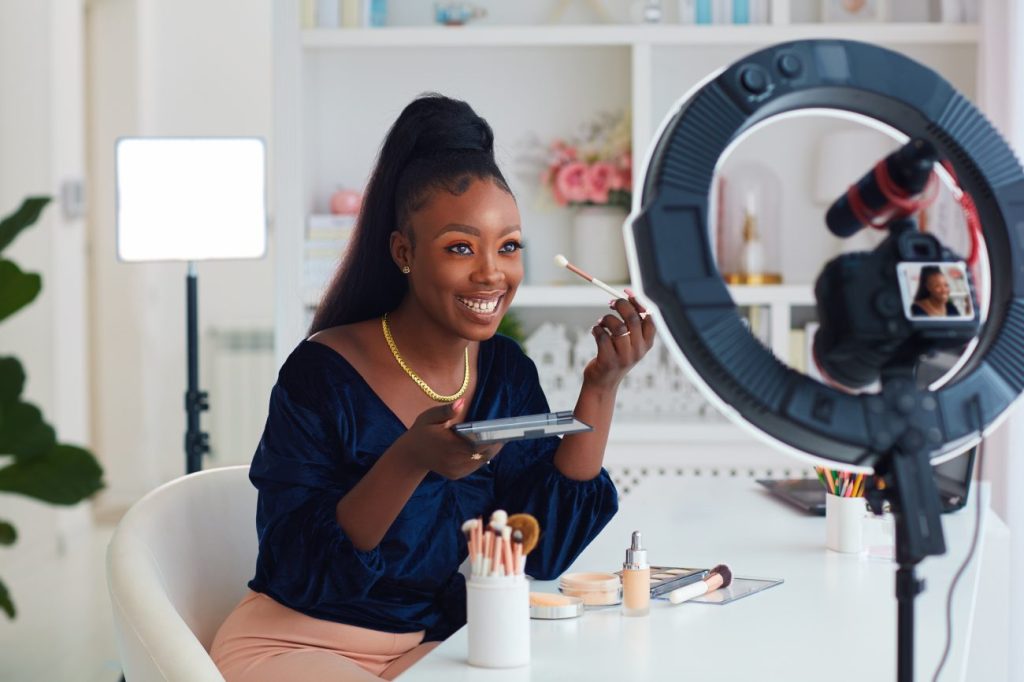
(487, 269)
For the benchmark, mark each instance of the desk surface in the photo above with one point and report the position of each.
(834, 617)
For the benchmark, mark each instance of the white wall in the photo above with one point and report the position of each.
(41, 145)
(157, 68)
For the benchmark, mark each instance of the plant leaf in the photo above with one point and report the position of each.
(65, 475)
(27, 214)
(12, 380)
(5, 601)
(23, 432)
(7, 533)
(17, 288)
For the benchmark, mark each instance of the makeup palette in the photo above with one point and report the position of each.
(664, 579)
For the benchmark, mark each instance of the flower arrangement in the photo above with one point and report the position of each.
(594, 168)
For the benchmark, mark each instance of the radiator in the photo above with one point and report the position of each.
(241, 372)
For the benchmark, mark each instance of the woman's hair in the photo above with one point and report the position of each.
(927, 272)
(436, 143)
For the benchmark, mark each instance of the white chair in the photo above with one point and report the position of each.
(177, 565)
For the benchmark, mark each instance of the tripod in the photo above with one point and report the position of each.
(909, 487)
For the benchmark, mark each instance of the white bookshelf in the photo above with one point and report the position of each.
(632, 35)
(337, 90)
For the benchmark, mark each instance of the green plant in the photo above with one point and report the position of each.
(36, 464)
(512, 327)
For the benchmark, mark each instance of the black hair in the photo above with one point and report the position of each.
(436, 143)
(927, 272)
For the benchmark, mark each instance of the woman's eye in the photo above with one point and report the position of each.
(460, 249)
(510, 247)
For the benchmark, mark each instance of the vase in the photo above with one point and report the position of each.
(597, 243)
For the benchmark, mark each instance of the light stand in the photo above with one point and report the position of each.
(914, 501)
(191, 199)
(196, 441)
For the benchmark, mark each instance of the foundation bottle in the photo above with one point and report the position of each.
(636, 580)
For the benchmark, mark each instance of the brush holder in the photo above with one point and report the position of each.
(498, 621)
(844, 523)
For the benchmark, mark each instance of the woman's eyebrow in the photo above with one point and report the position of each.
(469, 229)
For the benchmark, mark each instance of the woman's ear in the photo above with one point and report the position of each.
(401, 250)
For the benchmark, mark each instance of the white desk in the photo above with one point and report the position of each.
(833, 618)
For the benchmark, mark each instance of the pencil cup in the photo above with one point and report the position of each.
(844, 523)
(498, 621)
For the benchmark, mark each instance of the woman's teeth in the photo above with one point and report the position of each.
(479, 306)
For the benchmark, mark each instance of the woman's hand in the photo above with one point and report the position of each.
(622, 340)
(431, 444)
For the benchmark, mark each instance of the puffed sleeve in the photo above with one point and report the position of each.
(571, 513)
(305, 558)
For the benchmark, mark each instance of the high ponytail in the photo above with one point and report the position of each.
(436, 143)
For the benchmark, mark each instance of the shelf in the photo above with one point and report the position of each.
(574, 295)
(627, 35)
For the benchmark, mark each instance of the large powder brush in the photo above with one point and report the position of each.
(718, 577)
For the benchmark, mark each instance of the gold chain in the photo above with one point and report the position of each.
(434, 395)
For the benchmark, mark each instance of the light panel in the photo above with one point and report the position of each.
(191, 199)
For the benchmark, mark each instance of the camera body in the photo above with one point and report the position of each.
(870, 320)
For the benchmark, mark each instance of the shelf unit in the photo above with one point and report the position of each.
(630, 35)
(329, 80)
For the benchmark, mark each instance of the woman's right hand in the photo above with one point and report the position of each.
(431, 444)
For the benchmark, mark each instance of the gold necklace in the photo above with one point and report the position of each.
(434, 395)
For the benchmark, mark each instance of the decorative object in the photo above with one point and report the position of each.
(191, 199)
(749, 225)
(346, 201)
(36, 465)
(457, 13)
(852, 10)
(592, 174)
(655, 390)
(597, 241)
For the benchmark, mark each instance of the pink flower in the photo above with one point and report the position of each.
(571, 183)
(601, 177)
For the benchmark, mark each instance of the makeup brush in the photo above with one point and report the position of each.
(563, 262)
(718, 577)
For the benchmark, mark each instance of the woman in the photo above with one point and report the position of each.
(363, 486)
(932, 297)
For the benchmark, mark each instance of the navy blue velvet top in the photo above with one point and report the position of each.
(326, 428)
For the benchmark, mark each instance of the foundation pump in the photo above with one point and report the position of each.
(636, 579)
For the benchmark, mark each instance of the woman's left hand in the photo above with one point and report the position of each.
(622, 339)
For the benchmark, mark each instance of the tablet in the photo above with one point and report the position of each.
(521, 428)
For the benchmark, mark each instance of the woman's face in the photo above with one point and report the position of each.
(466, 259)
(938, 288)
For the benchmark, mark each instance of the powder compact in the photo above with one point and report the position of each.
(595, 589)
(550, 606)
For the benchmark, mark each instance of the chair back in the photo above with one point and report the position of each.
(177, 564)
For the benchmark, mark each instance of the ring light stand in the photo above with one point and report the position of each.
(901, 430)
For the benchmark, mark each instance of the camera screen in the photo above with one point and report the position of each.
(935, 291)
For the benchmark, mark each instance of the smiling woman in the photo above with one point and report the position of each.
(363, 485)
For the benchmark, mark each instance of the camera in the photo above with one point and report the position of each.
(882, 310)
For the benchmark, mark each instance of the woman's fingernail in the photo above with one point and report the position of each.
(629, 292)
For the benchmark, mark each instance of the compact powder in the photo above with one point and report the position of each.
(595, 589)
(549, 606)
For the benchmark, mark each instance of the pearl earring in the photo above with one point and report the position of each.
(406, 269)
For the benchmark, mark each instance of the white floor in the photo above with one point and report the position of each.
(64, 629)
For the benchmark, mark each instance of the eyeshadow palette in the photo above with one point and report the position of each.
(664, 579)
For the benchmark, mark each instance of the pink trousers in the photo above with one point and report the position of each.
(264, 641)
